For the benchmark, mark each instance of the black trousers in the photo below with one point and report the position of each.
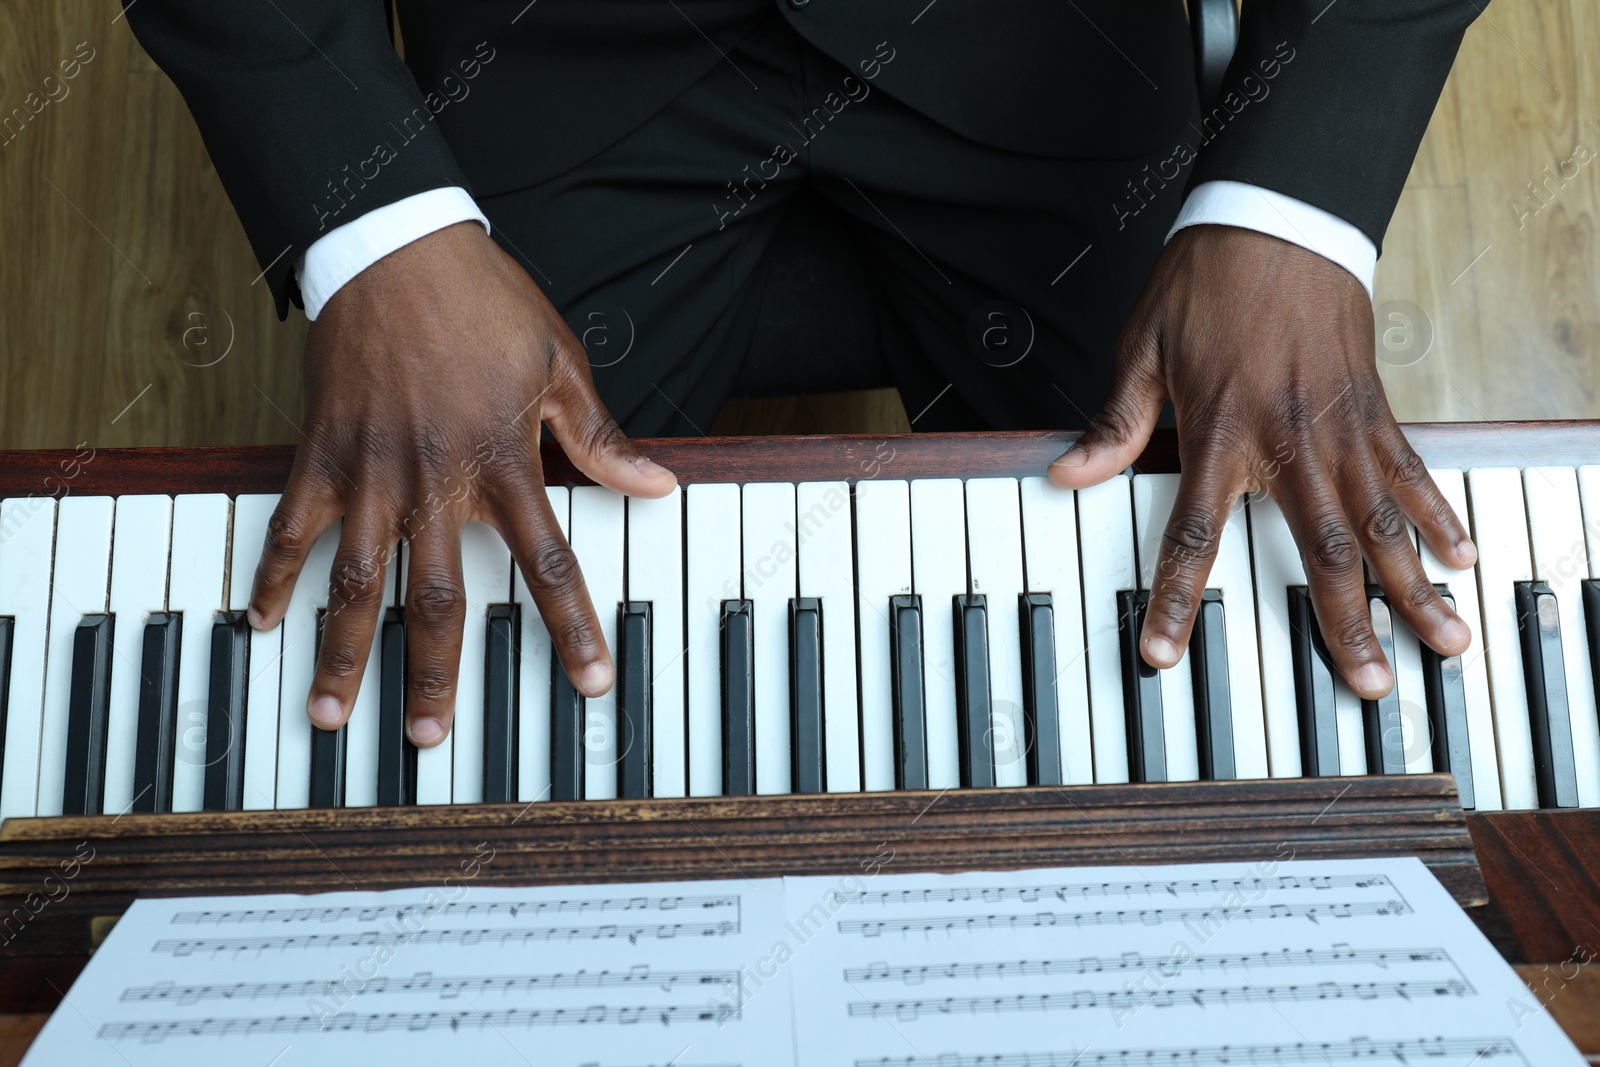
(998, 280)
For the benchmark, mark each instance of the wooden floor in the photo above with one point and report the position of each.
(131, 313)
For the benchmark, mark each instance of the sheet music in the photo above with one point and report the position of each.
(1311, 962)
(600, 976)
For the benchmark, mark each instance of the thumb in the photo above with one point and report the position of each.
(591, 438)
(1121, 429)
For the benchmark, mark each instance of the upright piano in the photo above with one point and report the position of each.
(828, 649)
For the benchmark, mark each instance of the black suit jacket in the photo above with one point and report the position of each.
(312, 120)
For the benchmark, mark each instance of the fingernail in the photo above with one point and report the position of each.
(1454, 632)
(1073, 457)
(649, 467)
(425, 731)
(326, 711)
(1161, 650)
(595, 679)
(253, 617)
(1467, 553)
(1372, 679)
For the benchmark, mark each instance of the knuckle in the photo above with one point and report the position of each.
(575, 635)
(1352, 632)
(1333, 548)
(339, 661)
(430, 682)
(1419, 593)
(1191, 535)
(601, 434)
(356, 581)
(1293, 407)
(1116, 418)
(436, 603)
(1384, 522)
(288, 535)
(1175, 602)
(1405, 469)
(555, 568)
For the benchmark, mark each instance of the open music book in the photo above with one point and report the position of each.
(1314, 962)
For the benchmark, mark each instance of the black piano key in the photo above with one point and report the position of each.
(1041, 714)
(1213, 699)
(807, 771)
(1446, 695)
(158, 714)
(974, 714)
(1141, 694)
(327, 753)
(1591, 618)
(633, 700)
(1380, 719)
(909, 694)
(89, 703)
(1313, 686)
(1544, 670)
(7, 627)
(500, 704)
(738, 698)
(567, 762)
(230, 677)
(397, 757)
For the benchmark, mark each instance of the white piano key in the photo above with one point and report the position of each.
(655, 574)
(533, 677)
(1589, 493)
(883, 567)
(597, 539)
(1561, 558)
(1231, 574)
(994, 538)
(310, 596)
(1409, 686)
(1463, 587)
(27, 541)
(82, 572)
(1153, 497)
(436, 765)
(827, 571)
(1050, 542)
(486, 578)
(1500, 527)
(769, 583)
(1277, 568)
(938, 575)
(1352, 729)
(200, 551)
(140, 541)
(1105, 539)
(714, 525)
(361, 729)
(250, 515)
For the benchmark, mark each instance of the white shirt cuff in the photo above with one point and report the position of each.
(1254, 208)
(347, 250)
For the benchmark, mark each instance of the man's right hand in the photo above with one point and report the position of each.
(426, 379)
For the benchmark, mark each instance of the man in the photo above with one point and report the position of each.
(639, 154)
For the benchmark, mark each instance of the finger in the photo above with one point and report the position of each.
(1188, 549)
(1386, 542)
(590, 436)
(1331, 554)
(304, 511)
(551, 572)
(1421, 500)
(356, 587)
(436, 611)
(1121, 429)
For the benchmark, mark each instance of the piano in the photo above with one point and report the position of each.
(826, 648)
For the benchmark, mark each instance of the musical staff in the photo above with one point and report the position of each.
(496, 936)
(1086, 890)
(445, 987)
(1314, 913)
(1126, 1000)
(512, 909)
(1435, 1052)
(1136, 962)
(154, 1032)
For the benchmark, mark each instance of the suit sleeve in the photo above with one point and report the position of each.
(1327, 101)
(310, 117)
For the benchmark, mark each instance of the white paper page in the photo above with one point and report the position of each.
(603, 976)
(1311, 962)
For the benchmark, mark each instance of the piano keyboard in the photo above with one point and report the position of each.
(929, 633)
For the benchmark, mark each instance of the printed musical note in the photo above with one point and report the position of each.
(464, 909)
(1435, 1052)
(1146, 917)
(500, 937)
(1249, 887)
